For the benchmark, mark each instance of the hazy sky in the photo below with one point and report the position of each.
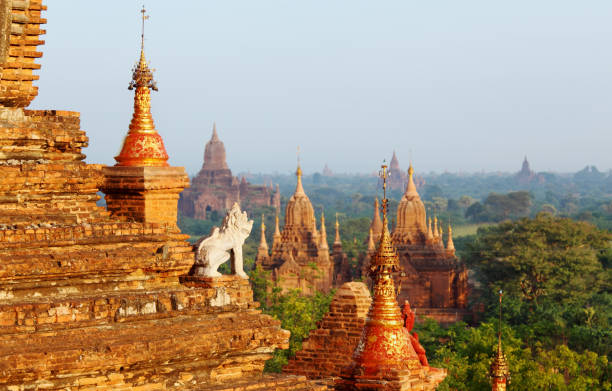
(457, 85)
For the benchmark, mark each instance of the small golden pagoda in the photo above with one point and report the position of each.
(142, 187)
(500, 374)
(142, 146)
(385, 358)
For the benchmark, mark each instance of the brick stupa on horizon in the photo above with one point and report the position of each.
(215, 189)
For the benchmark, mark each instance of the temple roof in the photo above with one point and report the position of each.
(214, 153)
(411, 216)
(299, 212)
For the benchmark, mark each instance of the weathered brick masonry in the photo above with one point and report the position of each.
(94, 301)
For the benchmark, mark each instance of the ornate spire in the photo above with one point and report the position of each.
(337, 240)
(371, 245)
(323, 233)
(450, 246)
(277, 235)
(142, 146)
(215, 136)
(435, 227)
(376, 225)
(441, 232)
(429, 231)
(263, 244)
(500, 374)
(298, 188)
(411, 190)
(385, 342)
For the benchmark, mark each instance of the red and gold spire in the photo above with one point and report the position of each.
(500, 374)
(142, 146)
(385, 342)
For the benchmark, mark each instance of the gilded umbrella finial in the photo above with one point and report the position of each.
(142, 146)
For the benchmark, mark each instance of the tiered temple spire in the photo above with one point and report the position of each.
(385, 346)
(450, 246)
(500, 374)
(337, 240)
(323, 233)
(263, 244)
(142, 146)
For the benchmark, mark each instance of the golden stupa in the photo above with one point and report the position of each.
(142, 146)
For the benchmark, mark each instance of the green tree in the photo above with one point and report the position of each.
(552, 269)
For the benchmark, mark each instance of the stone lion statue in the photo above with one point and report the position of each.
(222, 244)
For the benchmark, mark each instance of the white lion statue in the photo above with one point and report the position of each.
(223, 243)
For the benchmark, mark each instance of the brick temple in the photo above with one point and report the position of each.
(90, 298)
(216, 189)
(432, 278)
(365, 343)
(300, 256)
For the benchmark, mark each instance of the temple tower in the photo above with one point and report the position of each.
(300, 256)
(142, 187)
(215, 189)
(432, 279)
(500, 374)
(385, 358)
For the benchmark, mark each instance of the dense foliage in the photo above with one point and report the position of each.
(466, 352)
(556, 276)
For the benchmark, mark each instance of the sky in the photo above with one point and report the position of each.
(457, 86)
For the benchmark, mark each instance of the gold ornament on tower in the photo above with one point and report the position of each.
(142, 146)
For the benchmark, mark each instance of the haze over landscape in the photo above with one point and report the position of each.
(465, 86)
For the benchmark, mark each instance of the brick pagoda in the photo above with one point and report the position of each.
(216, 189)
(300, 256)
(432, 278)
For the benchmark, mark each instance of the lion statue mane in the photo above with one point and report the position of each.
(222, 244)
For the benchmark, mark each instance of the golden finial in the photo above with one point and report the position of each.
(410, 170)
(141, 74)
(500, 374)
(429, 231)
(142, 146)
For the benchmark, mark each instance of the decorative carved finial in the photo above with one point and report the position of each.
(142, 76)
(500, 374)
(142, 146)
